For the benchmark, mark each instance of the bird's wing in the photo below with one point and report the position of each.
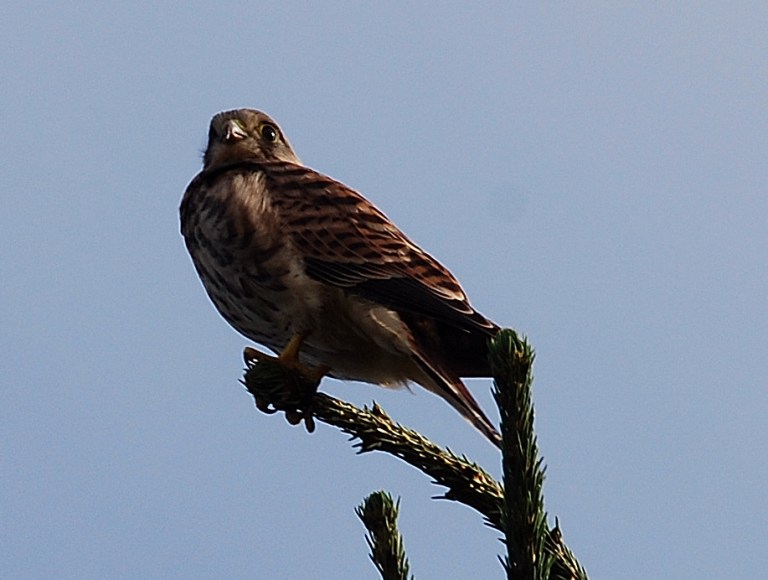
(347, 242)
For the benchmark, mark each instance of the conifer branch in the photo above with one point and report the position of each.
(523, 519)
(533, 550)
(379, 515)
(374, 430)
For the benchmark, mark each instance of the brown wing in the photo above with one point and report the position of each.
(348, 242)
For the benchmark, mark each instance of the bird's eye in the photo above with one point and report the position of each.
(269, 132)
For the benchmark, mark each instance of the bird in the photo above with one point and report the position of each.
(307, 267)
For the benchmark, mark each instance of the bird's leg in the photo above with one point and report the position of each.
(299, 381)
(306, 385)
(288, 359)
(290, 354)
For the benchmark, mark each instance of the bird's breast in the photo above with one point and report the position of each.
(241, 254)
(254, 274)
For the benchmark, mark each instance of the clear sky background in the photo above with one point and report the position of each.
(596, 175)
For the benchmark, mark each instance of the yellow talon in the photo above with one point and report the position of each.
(289, 357)
(251, 354)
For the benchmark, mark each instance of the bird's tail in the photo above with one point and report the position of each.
(453, 390)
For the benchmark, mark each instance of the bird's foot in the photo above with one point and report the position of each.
(289, 361)
(283, 383)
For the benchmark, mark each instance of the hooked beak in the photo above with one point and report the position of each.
(233, 131)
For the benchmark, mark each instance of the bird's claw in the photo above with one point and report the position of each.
(265, 406)
(290, 389)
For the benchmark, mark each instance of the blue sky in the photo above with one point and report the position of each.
(595, 175)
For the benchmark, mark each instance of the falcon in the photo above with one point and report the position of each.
(307, 267)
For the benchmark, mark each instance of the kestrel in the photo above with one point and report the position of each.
(308, 267)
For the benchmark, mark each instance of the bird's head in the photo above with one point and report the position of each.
(245, 134)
